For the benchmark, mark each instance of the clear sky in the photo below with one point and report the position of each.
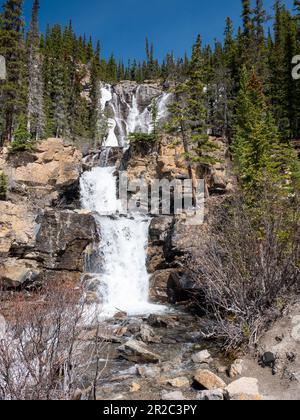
(122, 25)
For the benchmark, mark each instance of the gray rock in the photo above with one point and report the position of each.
(201, 357)
(173, 396)
(181, 382)
(136, 352)
(243, 388)
(236, 369)
(214, 395)
(147, 334)
(148, 371)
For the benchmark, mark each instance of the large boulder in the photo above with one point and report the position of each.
(17, 228)
(48, 172)
(15, 273)
(244, 389)
(63, 237)
(137, 352)
(209, 380)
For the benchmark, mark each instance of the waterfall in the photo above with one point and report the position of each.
(123, 277)
(122, 273)
(127, 116)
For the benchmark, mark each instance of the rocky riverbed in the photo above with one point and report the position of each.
(45, 236)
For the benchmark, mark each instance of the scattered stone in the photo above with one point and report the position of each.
(173, 396)
(201, 357)
(209, 380)
(236, 369)
(244, 388)
(291, 357)
(221, 369)
(148, 371)
(136, 352)
(179, 382)
(157, 321)
(268, 360)
(213, 395)
(147, 334)
(135, 387)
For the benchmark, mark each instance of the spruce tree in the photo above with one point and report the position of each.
(3, 186)
(259, 155)
(202, 146)
(35, 106)
(13, 90)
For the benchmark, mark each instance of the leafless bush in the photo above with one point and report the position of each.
(249, 265)
(41, 354)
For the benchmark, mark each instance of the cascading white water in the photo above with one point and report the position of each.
(123, 277)
(124, 281)
(127, 117)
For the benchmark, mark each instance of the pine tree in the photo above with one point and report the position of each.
(21, 137)
(247, 20)
(13, 90)
(259, 155)
(35, 107)
(202, 146)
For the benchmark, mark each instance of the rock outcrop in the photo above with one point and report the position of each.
(39, 240)
(45, 175)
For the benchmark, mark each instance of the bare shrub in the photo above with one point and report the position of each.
(247, 269)
(41, 354)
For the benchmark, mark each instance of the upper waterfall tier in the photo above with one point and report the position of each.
(128, 106)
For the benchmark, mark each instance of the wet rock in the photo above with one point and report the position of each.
(157, 321)
(148, 371)
(62, 239)
(209, 380)
(201, 357)
(92, 298)
(138, 353)
(159, 229)
(173, 396)
(244, 388)
(147, 335)
(179, 382)
(159, 286)
(213, 395)
(236, 369)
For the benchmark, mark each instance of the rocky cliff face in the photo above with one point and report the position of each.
(39, 238)
(173, 242)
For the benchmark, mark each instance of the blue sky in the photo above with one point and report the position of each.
(122, 25)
